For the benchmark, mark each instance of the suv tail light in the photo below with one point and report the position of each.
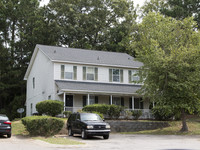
(7, 122)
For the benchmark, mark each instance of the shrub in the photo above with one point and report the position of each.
(113, 111)
(101, 108)
(42, 125)
(162, 113)
(50, 107)
(127, 114)
(67, 113)
(136, 114)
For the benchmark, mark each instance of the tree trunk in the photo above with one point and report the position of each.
(184, 124)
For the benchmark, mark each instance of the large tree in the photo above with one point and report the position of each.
(23, 24)
(170, 52)
(99, 24)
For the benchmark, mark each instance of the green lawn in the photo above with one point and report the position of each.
(19, 129)
(193, 126)
(58, 140)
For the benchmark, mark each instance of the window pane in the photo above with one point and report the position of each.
(115, 78)
(90, 73)
(115, 71)
(62, 71)
(116, 100)
(90, 70)
(90, 76)
(134, 77)
(68, 68)
(68, 75)
(116, 75)
(92, 100)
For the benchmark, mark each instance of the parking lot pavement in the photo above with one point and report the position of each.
(116, 142)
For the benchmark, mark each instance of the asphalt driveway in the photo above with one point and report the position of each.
(116, 142)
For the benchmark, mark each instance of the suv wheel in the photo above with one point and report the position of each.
(106, 136)
(8, 135)
(70, 133)
(83, 134)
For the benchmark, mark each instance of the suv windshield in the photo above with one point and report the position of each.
(90, 117)
(2, 117)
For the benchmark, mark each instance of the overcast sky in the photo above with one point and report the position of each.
(140, 2)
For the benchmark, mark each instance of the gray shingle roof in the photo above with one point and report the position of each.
(97, 87)
(89, 56)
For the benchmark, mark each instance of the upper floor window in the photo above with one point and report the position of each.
(33, 82)
(115, 75)
(133, 77)
(68, 72)
(90, 73)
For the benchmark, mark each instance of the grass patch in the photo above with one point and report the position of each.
(174, 128)
(18, 128)
(58, 140)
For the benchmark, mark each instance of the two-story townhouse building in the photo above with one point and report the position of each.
(81, 77)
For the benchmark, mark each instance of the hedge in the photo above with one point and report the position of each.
(113, 111)
(50, 107)
(42, 125)
(67, 113)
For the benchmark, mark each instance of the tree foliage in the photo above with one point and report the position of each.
(179, 9)
(171, 58)
(89, 24)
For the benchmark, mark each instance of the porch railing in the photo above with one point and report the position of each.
(73, 109)
(146, 113)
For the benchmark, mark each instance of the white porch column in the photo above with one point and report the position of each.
(111, 100)
(88, 100)
(64, 99)
(133, 103)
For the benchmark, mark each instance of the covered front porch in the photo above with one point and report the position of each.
(76, 98)
(74, 102)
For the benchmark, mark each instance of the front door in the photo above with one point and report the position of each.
(69, 101)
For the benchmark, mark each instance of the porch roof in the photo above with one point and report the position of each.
(100, 88)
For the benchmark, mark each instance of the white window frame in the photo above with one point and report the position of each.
(91, 99)
(33, 82)
(134, 77)
(116, 100)
(69, 69)
(90, 72)
(116, 75)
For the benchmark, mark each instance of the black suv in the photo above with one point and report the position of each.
(87, 124)
(5, 126)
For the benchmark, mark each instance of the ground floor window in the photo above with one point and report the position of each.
(138, 103)
(92, 100)
(116, 101)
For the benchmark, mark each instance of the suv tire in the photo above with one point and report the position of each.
(106, 136)
(8, 135)
(83, 134)
(70, 133)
